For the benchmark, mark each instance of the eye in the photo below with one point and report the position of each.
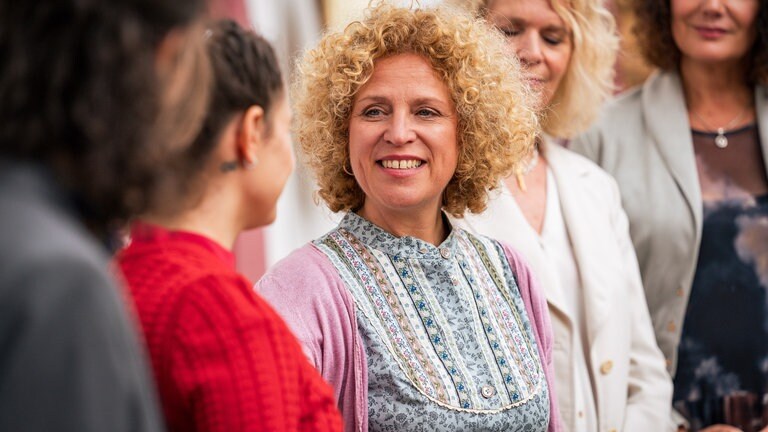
(427, 113)
(373, 112)
(554, 38)
(510, 31)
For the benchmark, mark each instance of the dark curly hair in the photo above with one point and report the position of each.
(653, 30)
(246, 72)
(82, 96)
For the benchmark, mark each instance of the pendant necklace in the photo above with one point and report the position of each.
(526, 168)
(721, 141)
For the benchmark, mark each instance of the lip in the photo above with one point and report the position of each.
(710, 33)
(400, 157)
(535, 81)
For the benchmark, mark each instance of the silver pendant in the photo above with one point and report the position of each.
(720, 140)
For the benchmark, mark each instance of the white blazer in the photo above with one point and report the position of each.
(630, 385)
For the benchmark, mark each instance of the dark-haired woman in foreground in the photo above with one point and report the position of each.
(688, 150)
(95, 95)
(223, 360)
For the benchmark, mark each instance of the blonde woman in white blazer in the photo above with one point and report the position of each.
(564, 215)
(689, 151)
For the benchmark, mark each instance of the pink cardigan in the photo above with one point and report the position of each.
(308, 293)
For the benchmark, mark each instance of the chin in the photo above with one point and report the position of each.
(715, 56)
(261, 219)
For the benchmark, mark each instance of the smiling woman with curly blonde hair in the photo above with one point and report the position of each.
(405, 116)
(496, 124)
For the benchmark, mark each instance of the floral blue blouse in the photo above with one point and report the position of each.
(448, 343)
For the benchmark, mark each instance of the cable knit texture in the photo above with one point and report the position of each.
(222, 358)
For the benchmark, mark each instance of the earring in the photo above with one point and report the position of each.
(347, 171)
(228, 166)
(249, 165)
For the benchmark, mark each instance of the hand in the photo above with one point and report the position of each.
(720, 428)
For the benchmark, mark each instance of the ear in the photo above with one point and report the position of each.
(251, 136)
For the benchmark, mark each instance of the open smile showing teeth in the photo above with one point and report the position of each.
(401, 164)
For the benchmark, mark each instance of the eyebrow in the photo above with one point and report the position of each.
(502, 22)
(417, 101)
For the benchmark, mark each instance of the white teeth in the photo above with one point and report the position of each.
(403, 164)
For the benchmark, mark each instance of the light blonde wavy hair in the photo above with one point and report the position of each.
(497, 124)
(589, 78)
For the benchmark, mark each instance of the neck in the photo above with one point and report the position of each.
(425, 225)
(715, 91)
(216, 216)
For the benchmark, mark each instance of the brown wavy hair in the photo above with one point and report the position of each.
(245, 73)
(653, 30)
(82, 95)
(497, 124)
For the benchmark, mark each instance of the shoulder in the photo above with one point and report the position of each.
(623, 110)
(46, 254)
(172, 269)
(306, 265)
(619, 125)
(305, 279)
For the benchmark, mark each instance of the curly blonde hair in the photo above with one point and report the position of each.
(589, 79)
(497, 124)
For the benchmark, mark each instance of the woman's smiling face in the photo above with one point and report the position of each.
(403, 144)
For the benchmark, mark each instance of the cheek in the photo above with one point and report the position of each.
(747, 16)
(288, 153)
(558, 65)
(359, 143)
(679, 10)
(450, 151)
(561, 65)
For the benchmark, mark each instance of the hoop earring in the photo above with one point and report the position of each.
(347, 171)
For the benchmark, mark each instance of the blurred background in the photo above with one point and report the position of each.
(294, 25)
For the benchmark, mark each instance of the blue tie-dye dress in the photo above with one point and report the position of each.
(724, 346)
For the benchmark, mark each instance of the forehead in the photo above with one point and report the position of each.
(404, 74)
(530, 11)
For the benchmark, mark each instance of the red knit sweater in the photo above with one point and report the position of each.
(222, 358)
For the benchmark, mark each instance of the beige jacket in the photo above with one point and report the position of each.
(643, 139)
(632, 390)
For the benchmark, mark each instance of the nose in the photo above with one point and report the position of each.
(529, 49)
(713, 8)
(400, 128)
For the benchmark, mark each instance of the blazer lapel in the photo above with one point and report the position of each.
(666, 117)
(583, 232)
(761, 107)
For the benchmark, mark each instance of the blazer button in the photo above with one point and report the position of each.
(606, 367)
